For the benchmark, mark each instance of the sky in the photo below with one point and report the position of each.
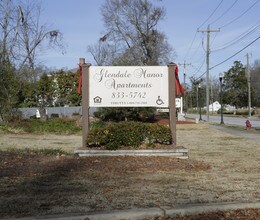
(235, 24)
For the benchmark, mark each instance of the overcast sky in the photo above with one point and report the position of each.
(238, 20)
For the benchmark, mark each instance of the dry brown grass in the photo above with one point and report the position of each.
(231, 174)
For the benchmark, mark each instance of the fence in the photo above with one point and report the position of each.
(61, 111)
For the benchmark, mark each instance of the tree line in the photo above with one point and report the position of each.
(131, 36)
(235, 88)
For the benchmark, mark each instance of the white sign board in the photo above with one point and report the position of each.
(128, 86)
(162, 110)
(178, 102)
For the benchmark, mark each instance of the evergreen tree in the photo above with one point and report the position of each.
(9, 87)
(65, 88)
(235, 89)
(45, 90)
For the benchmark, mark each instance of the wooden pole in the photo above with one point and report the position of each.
(85, 100)
(172, 96)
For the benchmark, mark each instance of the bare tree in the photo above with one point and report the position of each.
(102, 52)
(22, 37)
(8, 29)
(32, 34)
(132, 26)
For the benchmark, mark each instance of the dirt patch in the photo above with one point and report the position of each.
(33, 164)
(222, 168)
(41, 182)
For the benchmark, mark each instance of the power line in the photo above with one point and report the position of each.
(229, 57)
(225, 12)
(240, 37)
(235, 53)
(203, 61)
(241, 14)
(214, 39)
(200, 27)
(201, 75)
(211, 14)
(190, 46)
(198, 69)
(232, 42)
(196, 51)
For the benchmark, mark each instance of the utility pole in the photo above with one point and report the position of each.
(184, 79)
(211, 95)
(207, 62)
(249, 85)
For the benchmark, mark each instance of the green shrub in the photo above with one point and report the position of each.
(126, 114)
(131, 134)
(97, 114)
(242, 112)
(54, 115)
(57, 126)
(125, 134)
(219, 111)
(97, 124)
(158, 134)
(4, 128)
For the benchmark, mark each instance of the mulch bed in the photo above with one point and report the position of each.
(14, 164)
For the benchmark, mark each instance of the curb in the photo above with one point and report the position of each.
(212, 207)
(172, 212)
(179, 152)
(137, 214)
(132, 214)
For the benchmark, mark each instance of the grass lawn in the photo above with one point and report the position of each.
(221, 167)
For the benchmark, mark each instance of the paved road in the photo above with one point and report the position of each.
(236, 121)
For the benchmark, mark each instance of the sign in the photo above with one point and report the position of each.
(128, 86)
(162, 110)
(178, 102)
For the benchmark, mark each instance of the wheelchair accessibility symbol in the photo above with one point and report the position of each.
(159, 101)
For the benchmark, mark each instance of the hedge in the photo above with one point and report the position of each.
(114, 135)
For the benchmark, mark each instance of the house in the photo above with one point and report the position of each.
(215, 106)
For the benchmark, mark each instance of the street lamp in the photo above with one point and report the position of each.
(199, 97)
(221, 108)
